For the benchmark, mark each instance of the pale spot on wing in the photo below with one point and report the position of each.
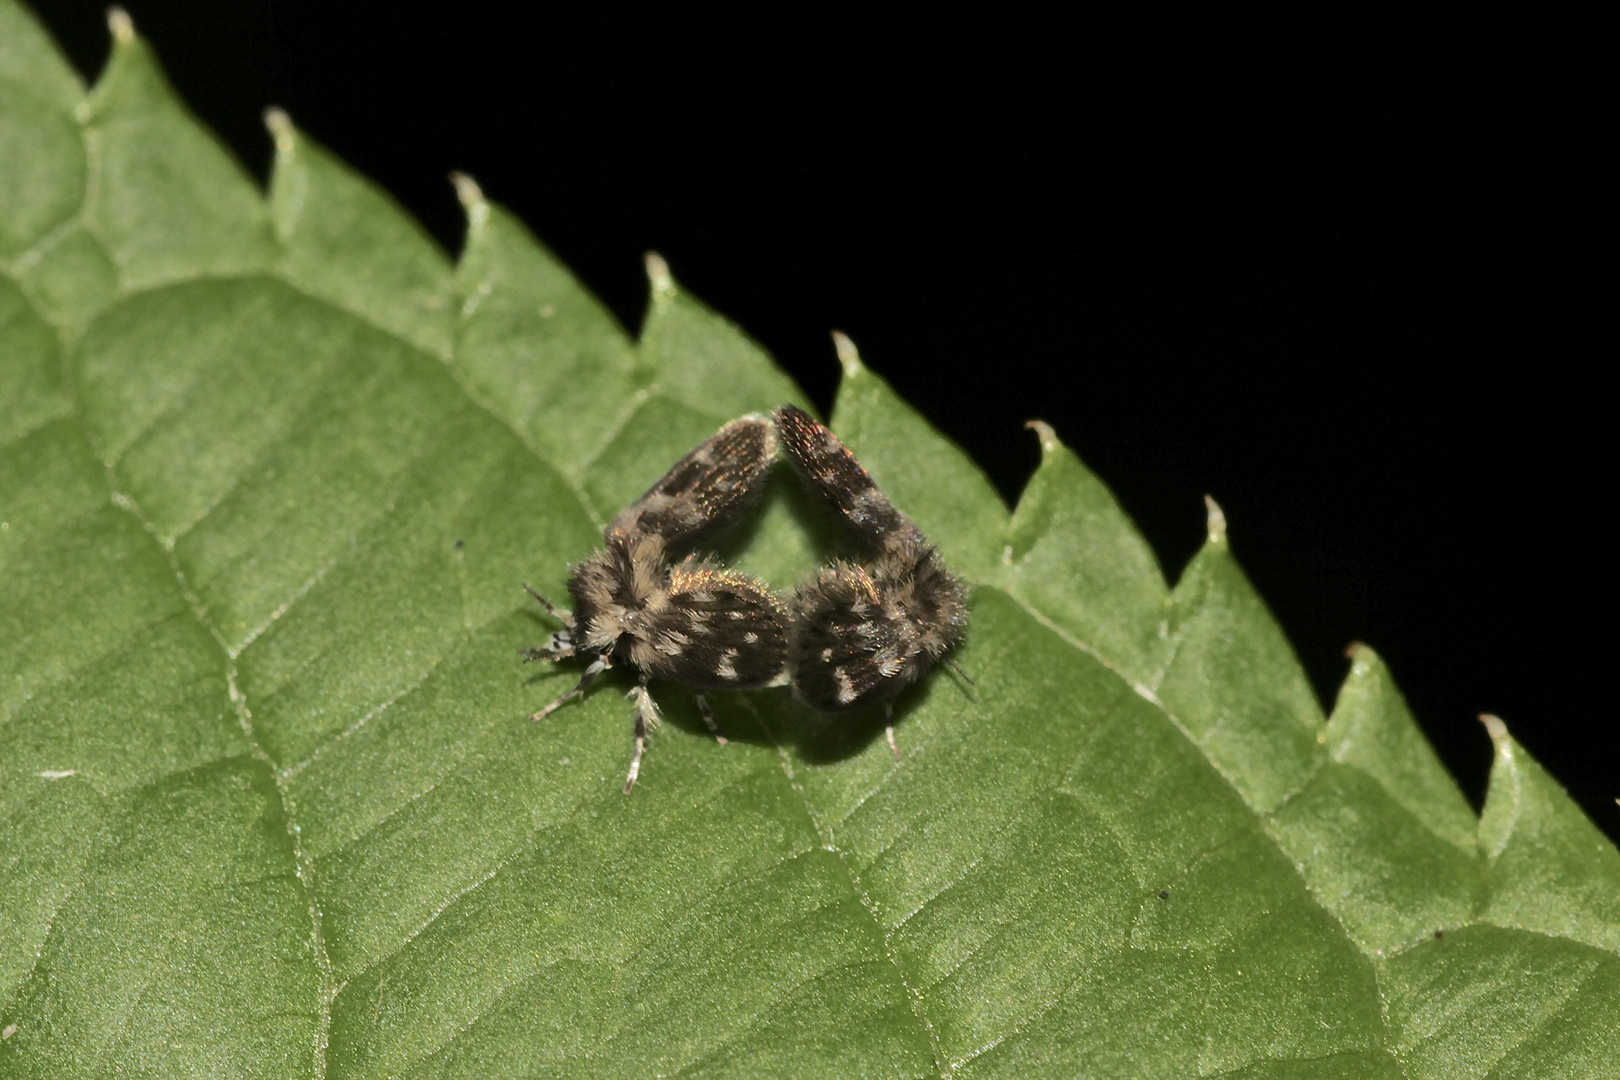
(846, 688)
(672, 642)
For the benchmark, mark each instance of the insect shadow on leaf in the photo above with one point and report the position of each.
(861, 631)
(694, 621)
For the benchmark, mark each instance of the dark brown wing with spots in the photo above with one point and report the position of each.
(719, 630)
(839, 479)
(712, 483)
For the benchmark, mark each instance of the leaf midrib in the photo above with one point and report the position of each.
(302, 866)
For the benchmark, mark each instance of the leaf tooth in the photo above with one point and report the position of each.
(1215, 522)
(1550, 870)
(281, 129)
(1494, 728)
(1503, 794)
(1048, 437)
(120, 25)
(848, 355)
(472, 200)
(659, 277)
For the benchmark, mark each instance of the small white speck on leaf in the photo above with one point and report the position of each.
(470, 305)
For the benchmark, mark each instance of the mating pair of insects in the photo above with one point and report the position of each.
(854, 634)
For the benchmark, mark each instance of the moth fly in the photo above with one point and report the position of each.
(693, 621)
(860, 632)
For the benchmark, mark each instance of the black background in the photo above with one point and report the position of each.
(1339, 275)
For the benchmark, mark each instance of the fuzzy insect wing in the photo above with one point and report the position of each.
(713, 483)
(839, 479)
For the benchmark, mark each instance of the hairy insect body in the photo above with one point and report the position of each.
(693, 621)
(861, 632)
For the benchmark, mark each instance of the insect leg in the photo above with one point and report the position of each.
(597, 666)
(888, 728)
(560, 647)
(708, 718)
(646, 717)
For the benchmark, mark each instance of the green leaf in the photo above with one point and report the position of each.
(272, 472)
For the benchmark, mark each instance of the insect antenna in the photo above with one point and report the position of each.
(954, 666)
(564, 617)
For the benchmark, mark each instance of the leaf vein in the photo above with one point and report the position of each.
(302, 867)
(913, 994)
